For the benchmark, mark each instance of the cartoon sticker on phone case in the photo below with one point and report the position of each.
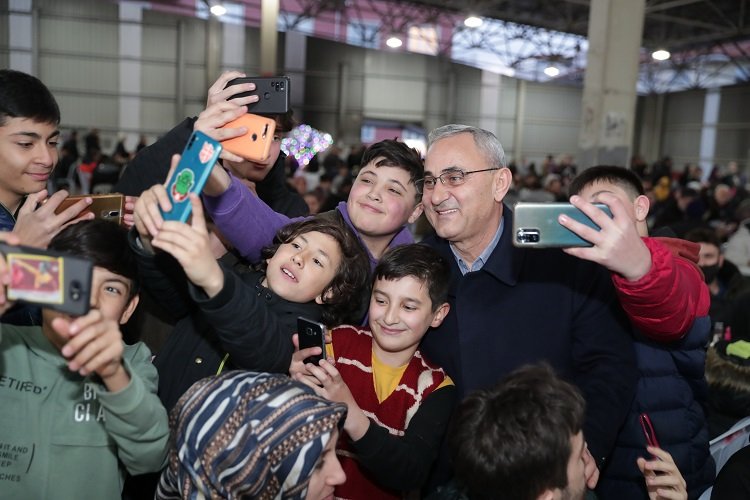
(35, 278)
(206, 153)
(182, 185)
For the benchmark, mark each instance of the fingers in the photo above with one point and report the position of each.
(217, 92)
(148, 209)
(35, 199)
(198, 222)
(212, 121)
(295, 342)
(587, 233)
(172, 167)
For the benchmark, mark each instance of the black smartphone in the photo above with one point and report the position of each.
(536, 225)
(272, 92)
(311, 334)
(48, 279)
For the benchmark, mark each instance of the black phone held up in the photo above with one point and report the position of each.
(311, 334)
(272, 92)
(49, 279)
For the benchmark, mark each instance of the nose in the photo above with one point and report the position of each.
(438, 194)
(337, 475)
(46, 155)
(374, 193)
(298, 260)
(391, 316)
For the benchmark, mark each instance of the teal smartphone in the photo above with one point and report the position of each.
(535, 225)
(191, 174)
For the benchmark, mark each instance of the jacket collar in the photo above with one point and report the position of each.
(505, 263)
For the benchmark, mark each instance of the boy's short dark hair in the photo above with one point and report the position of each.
(515, 438)
(421, 263)
(620, 176)
(704, 235)
(284, 122)
(396, 154)
(352, 275)
(25, 96)
(102, 242)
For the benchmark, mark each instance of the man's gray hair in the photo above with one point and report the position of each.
(485, 140)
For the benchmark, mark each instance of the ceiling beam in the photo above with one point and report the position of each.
(669, 5)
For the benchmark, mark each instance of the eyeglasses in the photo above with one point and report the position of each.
(452, 178)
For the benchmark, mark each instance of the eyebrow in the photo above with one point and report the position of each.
(394, 181)
(34, 135)
(319, 250)
(405, 299)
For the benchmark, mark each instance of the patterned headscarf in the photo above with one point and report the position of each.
(247, 435)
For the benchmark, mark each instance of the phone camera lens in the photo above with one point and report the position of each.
(266, 95)
(75, 291)
(254, 137)
(309, 331)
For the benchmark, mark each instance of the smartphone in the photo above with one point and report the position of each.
(648, 430)
(109, 207)
(256, 143)
(272, 92)
(535, 225)
(191, 174)
(48, 279)
(311, 334)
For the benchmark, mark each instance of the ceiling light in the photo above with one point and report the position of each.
(661, 55)
(473, 22)
(551, 71)
(218, 10)
(394, 42)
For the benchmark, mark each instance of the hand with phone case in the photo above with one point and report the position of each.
(617, 245)
(255, 143)
(190, 245)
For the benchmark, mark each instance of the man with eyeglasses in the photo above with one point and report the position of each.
(512, 306)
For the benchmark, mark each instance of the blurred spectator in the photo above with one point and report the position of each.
(314, 201)
(120, 156)
(738, 247)
(71, 145)
(142, 143)
(639, 166)
(724, 280)
(354, 160)
(92, 144)
(532, 190)
(553, 185)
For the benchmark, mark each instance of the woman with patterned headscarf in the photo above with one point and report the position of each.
(252, 435)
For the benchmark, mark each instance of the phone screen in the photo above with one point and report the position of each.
(311, 334)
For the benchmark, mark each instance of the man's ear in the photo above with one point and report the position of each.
(440, 314)
(129, 309)
(501, 182)
(641, 205)
(416, 213)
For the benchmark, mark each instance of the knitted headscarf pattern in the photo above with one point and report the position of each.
(247, 435)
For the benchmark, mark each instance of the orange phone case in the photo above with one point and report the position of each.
(256, 143)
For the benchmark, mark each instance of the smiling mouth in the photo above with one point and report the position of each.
(288, 273)
(370, 208)
(447, 211)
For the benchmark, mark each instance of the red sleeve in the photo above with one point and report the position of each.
(664, 302)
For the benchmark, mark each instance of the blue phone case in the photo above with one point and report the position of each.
(535, 225)
(191, 174)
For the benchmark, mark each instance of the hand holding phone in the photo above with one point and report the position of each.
(190, 175)
(110, 207)
(272, 92)
(536, 225)
(311, 334)
(48, 279)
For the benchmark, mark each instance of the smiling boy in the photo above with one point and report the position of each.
(383, 199)
(29, 119)
(399, 402)
(83, 409)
